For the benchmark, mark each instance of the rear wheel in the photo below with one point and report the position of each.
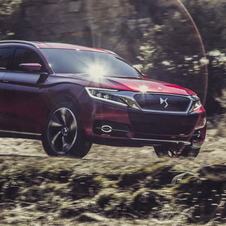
(178, 150)
(63, 134)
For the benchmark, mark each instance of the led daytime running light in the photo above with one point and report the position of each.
(112, 96)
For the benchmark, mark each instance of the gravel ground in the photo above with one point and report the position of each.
(102, 159)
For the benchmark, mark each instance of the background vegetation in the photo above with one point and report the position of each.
(209, 16)
(173, 49)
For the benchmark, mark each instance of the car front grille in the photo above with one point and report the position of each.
(163, 102)
(162, 124)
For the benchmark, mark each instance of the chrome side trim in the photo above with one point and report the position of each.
(22, 133)
(163, 141)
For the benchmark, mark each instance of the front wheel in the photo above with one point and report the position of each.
(178, 150)
(63, 135)
(190, 152)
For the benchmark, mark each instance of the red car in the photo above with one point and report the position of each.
(72, 96)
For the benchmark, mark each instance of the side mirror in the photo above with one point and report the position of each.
(31, 66)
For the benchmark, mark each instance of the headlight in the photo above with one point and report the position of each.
(112, 96)
(196, 103)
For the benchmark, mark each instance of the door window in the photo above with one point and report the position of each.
(5, 54)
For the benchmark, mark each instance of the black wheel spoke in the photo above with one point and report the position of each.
(65, 145)
(54, 123)
(53, 140)
(63, 112)
(73, 126)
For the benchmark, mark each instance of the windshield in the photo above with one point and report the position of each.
(89, 62)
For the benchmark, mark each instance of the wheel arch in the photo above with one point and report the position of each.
(57, 96)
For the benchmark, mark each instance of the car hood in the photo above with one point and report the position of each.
(131, 84)
(146, 85)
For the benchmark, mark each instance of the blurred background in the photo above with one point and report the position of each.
(158, 36)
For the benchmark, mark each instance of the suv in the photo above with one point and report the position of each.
(71, 96)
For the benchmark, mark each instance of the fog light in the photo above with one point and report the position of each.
(106, 128)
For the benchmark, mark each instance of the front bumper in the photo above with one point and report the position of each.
(122, 126)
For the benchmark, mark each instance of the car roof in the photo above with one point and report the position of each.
(54, 45)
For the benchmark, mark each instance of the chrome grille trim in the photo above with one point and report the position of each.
(158, 95)
(19, 132)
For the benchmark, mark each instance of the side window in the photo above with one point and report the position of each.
(25, 56)
(5, 54)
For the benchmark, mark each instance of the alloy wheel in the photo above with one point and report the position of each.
(62, 130)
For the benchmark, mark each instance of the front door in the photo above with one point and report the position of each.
(21, 95)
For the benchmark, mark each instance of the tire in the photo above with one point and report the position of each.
(178, 150)
(189, 152)
(63, 135)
